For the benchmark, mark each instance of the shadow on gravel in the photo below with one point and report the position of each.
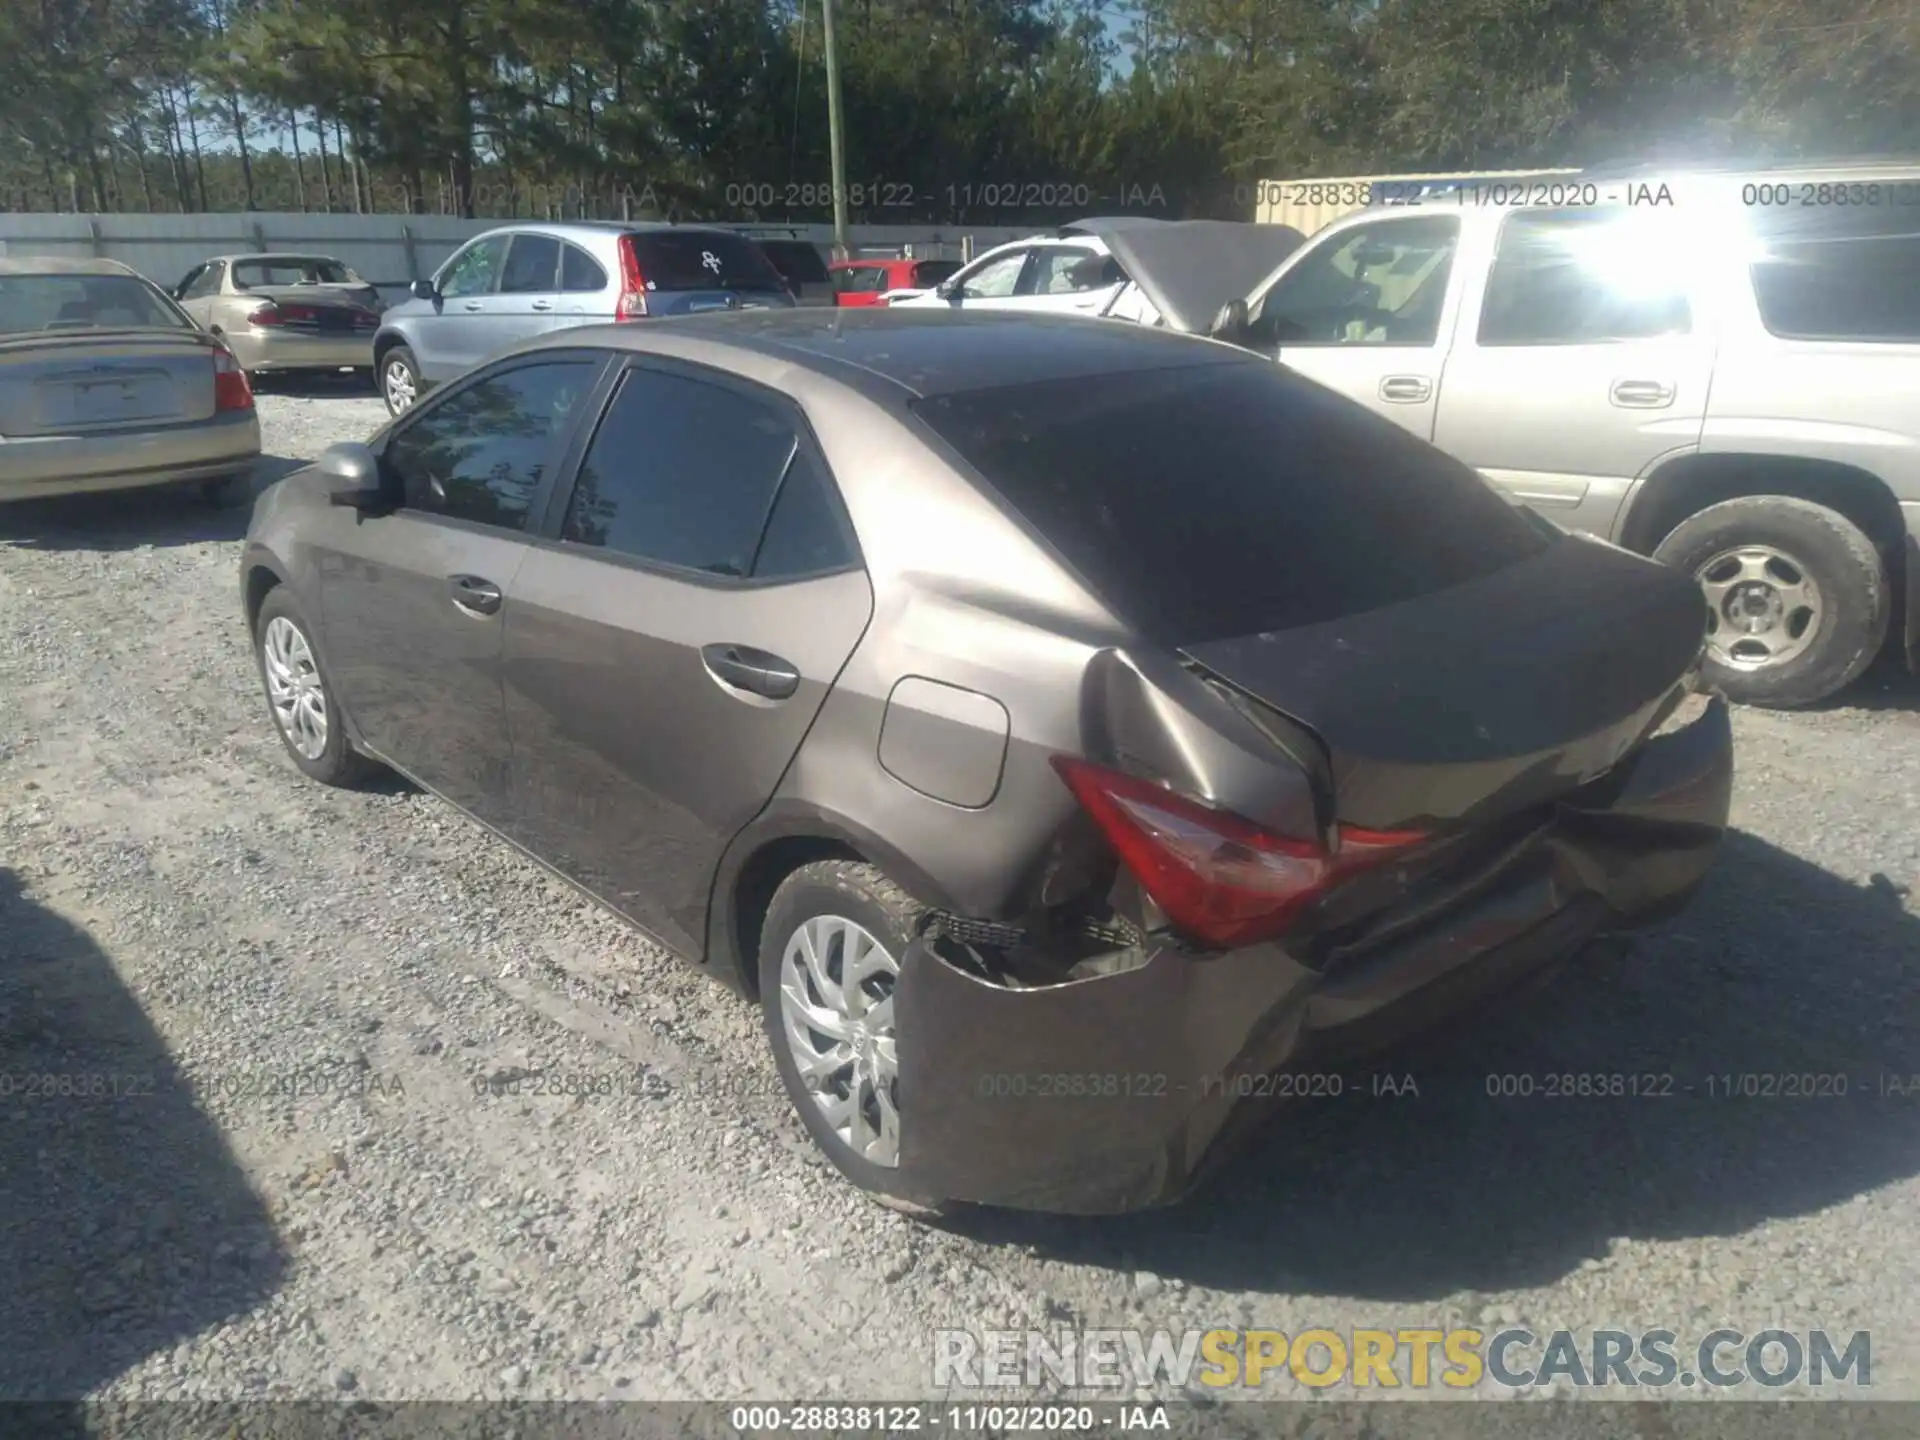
(125, 1224)
(1779, 969)
(319, 385)
(162, 515)
(1888, 685)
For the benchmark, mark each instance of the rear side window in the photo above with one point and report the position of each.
(533, 261)
(1219, 500)
(1583, 278)
(681, 472)
(703, 260)
(579, 271)
(1842, 271)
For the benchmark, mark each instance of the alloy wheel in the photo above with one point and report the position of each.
(836, 1010)
(397, 381)
(293, 687)
(1763, 608)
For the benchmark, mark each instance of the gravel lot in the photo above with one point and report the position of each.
(182, 912)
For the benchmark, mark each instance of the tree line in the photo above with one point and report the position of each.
(980, 111)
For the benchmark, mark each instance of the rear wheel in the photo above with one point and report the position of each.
(298, 697)
(830, 953)
(1797, 597)
(399, 380)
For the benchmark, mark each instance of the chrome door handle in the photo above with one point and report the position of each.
(543, 304)
(755, 671)
(1642, 394)
(1406, 389)
(474, 305)
(474, 595)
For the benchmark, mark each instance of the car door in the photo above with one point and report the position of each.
(528, 299)
(413, 600)
(1581, 362)
(199, 292)
(1071, 280)
(1368, 311)
(452, 338)
(669, 648)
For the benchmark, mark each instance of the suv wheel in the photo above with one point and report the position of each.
(1797, 597)
(829, 956)
(399, 380)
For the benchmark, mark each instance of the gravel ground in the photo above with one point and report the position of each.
(184, 918)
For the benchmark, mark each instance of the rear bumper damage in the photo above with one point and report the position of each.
(1121, 1092)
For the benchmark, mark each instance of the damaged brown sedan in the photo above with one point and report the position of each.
(1052, 724)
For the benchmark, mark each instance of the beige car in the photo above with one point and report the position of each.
(281, 313)
(106, 384)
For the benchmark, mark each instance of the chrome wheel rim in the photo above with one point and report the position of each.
(293, 687)
(399, 386)
(1763, 608)
(836, 1010)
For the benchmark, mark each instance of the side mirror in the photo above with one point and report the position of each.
(1230, 323)
(947, 289)
(351, 473)
(423, 290)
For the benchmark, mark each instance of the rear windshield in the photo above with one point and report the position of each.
(1220, 500)
(932, 272)
(797, 260)
(83, 302)
(703, 260)
(292, 270)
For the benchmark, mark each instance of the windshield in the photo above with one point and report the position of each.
(84, 302)
(1220, 500)
(703, 260)
(292, 270)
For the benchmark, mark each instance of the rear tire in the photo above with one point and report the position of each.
(400, 384)
(841, 897)
(284, 651)
(1797, 596)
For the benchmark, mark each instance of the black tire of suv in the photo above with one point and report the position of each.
(860, 893)
(1841, 561)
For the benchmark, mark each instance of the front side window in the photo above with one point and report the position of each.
(684, 472)
(860, 280)
(1378, 284)
(1066, 271)
(480, 454)
(1583, 278)
(929, 273)
(1849, 270)
(996, 279)
(475, 269)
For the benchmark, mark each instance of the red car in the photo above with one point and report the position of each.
(863, 282)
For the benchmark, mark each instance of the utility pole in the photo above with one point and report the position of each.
(836, 135)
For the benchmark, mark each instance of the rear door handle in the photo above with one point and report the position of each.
(475, 305)
(543, 304)
(474, 595)
(1406, 389)
(742, 667)
(1642, 394)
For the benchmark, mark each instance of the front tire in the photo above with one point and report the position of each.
(299, 700)
(830, 951)
(1797, 597)
(400, 384)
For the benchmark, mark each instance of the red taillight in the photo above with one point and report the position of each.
(230, 388)
(269, 314)
(632, 304)
(366, 321)
(1220, 878)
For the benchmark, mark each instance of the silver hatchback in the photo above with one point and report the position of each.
(520, 281)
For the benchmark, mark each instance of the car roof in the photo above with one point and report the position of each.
(61, 265)
(897, 355)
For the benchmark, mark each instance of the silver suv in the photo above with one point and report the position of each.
(519, 281)
(1719, 370)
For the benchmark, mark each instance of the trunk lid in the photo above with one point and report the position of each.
(96, 381)
(325, 309)
(1483, 700)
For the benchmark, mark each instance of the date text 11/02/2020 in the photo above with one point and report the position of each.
(904, 195)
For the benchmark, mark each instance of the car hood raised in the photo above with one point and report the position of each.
(1190, 268)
